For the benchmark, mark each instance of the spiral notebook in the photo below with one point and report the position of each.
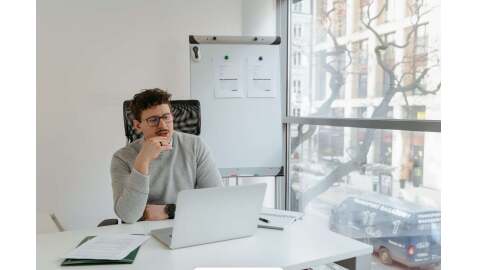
(278, 219)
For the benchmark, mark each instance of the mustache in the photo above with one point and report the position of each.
(161, 130)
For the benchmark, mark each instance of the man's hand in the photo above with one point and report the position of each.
(152, 147)
(150, 150)
(155, 212)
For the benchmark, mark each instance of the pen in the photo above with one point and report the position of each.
(264, 220)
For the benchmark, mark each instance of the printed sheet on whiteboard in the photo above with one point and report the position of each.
(260, 80)
(227, 78)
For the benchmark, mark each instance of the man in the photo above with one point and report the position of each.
(148, 173)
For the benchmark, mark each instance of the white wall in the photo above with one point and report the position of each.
(92, 55)
(259, 17)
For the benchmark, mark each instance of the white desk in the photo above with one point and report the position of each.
(305, 243)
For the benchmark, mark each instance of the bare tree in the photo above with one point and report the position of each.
(404, 83)
(337, 74)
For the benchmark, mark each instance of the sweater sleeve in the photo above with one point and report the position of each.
(130, 190)
(207, 174)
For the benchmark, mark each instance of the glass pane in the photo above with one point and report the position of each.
(342, 61)
(381, 187)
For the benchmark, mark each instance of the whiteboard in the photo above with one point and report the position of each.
(243, 129)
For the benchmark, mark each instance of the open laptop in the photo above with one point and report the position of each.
(213, 214)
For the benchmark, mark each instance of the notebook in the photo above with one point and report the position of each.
(278, 219)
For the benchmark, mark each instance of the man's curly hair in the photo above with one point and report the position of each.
(148, 98)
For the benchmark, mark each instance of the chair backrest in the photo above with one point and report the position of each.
(186, 118)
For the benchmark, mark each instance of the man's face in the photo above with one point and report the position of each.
(156, 121)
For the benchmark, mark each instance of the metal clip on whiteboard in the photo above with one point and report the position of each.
(195, 55)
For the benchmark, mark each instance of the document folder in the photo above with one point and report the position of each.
(127, 260)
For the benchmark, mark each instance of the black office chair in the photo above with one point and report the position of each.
(186, 118)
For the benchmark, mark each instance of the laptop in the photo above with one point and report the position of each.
(213, 214)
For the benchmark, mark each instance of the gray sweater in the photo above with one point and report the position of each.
(188, 165)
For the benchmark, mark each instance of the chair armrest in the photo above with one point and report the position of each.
(107, 222)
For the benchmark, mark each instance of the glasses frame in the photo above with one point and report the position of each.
(164, 117)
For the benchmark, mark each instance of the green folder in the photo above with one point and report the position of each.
(126, 260)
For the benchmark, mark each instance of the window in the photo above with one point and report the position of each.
(357, 136)
(296, 88)
(297, 58)
(339, 64)
(322, 9)
(421, 46)
(326, 180)
(342, 159)
(388, 10)
(296, 111)
(297, 30)
(384, 78)
(417, 58)
(331, 139)
(363, 16)
(415, 7)
(320, 76)
(413, 145)
(339, 18)
(298, 7)
(385, 11)
(362, 85)
(329, 70)
(356, 73)
(361, 52)
(383, 144)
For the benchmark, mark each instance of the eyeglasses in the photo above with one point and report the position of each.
(154, 121)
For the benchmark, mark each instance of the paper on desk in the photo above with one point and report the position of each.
(278, 219)
(282, 213)
(108, 247)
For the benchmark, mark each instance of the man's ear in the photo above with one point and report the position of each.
(137, 126)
